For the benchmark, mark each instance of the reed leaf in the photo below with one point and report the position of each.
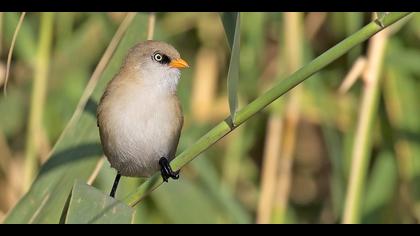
(76, 153)
(88, 205)
(231, 23)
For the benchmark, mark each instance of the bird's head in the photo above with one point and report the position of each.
(156, 63)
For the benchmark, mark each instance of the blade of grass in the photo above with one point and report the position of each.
(223, 128)
(39, 91)
(380, 188)
(231, 22)
(9, 56)
(269, 169)
(285, 162)
(1, 32)
(362, 141)
(352, 76)
(25, 47)
(401, 96)
(293, 48)
(88, 205)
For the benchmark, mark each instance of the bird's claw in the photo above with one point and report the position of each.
(166, 170)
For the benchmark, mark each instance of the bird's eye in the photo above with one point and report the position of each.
(158, 57)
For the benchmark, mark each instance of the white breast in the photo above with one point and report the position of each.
(142, 126)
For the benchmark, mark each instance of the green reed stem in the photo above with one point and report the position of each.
(39, 91)
(264, 100)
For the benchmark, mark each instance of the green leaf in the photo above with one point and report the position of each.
(223, 196)
(88, 205)
(64, 69)
(231, 22)
(381, 187)
(76, 153)
(403, 58)
(186, 202)
(401, 97)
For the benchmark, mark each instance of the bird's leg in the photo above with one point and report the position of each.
(166, 170)
(114, 187)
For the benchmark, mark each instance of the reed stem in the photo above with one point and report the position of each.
(39, 91)
(362, 143)
(225, 127)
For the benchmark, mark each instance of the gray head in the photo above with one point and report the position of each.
(152, 53)
(155, 63)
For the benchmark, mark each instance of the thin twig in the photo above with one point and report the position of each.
(355, 72)
(293, 32)
(269, 169)
(151, 26)
(95, 172)
(9, 56)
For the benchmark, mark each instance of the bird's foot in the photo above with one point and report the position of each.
(166, 170)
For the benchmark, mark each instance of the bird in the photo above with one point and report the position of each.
(139, 115)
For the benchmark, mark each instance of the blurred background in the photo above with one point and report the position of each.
(289, 163)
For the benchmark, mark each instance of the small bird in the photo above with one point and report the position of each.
(139, 115)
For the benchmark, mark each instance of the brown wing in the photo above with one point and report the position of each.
(101, 102)
(178, 113)
(112, 83)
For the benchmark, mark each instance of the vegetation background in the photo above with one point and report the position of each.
(291, 163)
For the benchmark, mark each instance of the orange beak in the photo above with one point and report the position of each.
(178, 63)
